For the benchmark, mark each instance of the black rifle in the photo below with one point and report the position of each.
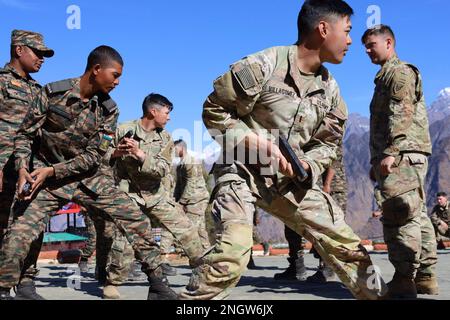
(292, 158)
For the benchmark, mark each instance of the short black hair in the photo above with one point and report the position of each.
(103, 55)
(154, 100)
(441, 194)
(377, 30)
(180, 142)
(313, 11)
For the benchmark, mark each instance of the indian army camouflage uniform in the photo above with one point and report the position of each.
(91, 236)
(267, 91)
(441, 214)
(143, 183)
(399, 128)
(16, 94)
(75, 136)
(192, 194)
(114, 255)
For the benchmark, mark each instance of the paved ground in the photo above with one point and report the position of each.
(57, 282)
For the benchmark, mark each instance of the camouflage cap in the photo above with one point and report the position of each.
(30, 39)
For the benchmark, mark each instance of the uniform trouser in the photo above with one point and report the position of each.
(120, 260)
(170, 216)
(196, 213)
(91, 235)
(32, 221)
(295, 244)
(314, 215)
(295, 240)
(408, 231)
(107, 255)
(167, 240)
(439, 236)
(8, 207)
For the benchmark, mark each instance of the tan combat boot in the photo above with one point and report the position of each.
(110, 292)
(426, 284)
(401, 287)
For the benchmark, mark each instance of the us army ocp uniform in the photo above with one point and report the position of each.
(267, 91)
(399, 128)
(143, 183)
(192, 194)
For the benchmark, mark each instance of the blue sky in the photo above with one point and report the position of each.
(177, 48)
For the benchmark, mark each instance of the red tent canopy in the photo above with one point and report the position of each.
(69, 208)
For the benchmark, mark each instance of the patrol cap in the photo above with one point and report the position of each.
(31, 39)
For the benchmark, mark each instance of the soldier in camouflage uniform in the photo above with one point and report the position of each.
(76, 120)
(400, 145)
(440, 217)
(288, 90)
(141, 172)
(191, 191)
(17, 90)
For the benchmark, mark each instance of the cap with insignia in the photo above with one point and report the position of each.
(31, 39)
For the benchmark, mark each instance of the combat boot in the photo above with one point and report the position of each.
(110, 292)
(27, 291)
(295, 271)
(251, 264)
(159, 287)
(323, 275)
(426, 284)
(135, 273)
(168, 270)
(4, 294)
(401, 287)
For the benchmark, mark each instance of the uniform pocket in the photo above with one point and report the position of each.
(403, 178)
(17, 94)
(416, 159)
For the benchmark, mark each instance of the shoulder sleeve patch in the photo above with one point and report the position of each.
(401, 82)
